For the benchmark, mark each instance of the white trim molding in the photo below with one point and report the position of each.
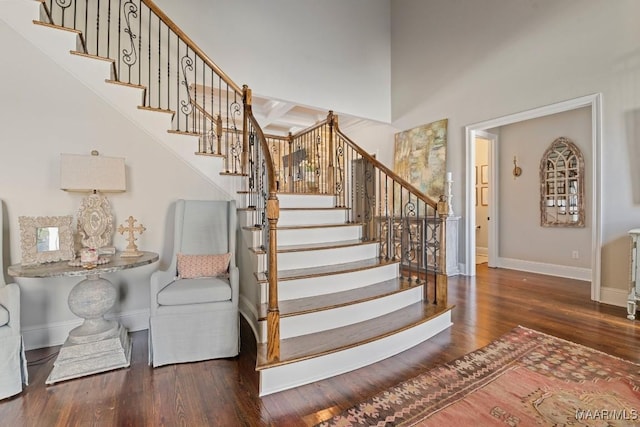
(577, 273)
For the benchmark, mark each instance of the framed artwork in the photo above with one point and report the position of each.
(420, 157)
(46, 239)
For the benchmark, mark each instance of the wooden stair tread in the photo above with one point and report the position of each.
(327, 270)
(197, 153)
(183, 132)
(91, 56)
(318, 246)
(157, 110)
(234, 174)
(57, 27)
(324, 245)
(316, 303)
(333, 208)
(321, 343)
(131, 85)
(304, 226)
(295, 193)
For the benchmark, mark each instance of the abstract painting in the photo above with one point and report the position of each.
(420, 157)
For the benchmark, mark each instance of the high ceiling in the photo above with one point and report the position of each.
(280, 117)
(275, 117)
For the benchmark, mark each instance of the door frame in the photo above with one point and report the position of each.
(595, 102)
(494, 173)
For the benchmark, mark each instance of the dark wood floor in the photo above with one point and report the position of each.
(224, 392)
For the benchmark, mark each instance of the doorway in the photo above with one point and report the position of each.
(592, 101)
(485, 144)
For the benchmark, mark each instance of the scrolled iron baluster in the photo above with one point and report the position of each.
(63, 5)
(130, 57)
(235, 111)
(339, 161)
(186, 63)
(210, 138)
(410, 209)
(369, 201)
(252, 169)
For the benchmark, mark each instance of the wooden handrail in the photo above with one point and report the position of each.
(419, 194)
(192, 45)
(331, 117)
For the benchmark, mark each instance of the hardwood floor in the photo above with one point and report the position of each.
(224, 392)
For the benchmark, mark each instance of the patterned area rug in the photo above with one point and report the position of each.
(525, 378)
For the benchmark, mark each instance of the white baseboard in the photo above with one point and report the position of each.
(56, 333)
(482, 251)
(577, 273)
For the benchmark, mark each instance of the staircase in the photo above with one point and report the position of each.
(342, 307)
(359, 272)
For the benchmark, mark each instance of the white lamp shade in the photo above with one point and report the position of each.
(87, 173)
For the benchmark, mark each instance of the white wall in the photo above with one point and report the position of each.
(44, 112)
(475, 61)
(330, 54)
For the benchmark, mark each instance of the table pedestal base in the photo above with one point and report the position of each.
(80, 359)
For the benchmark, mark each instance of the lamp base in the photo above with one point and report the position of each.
(95, 221)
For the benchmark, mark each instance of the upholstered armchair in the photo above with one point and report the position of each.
(13, 364)
(194, 303)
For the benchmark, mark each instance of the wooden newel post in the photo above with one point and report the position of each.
(441, 274)
(273, 312)
(245, 128)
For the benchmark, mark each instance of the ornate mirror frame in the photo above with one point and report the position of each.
(29, 228)
(562, 185)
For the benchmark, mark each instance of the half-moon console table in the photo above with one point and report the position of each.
(98, 344)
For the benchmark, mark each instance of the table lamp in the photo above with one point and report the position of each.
(93, 174)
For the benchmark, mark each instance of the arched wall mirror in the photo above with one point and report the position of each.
(562, 185)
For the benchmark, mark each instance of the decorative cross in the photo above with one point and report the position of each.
(132, 249)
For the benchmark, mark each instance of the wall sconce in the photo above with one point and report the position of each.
(517, 170)
(93, 174)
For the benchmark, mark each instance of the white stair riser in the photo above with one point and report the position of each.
(305, 201)
(307, 216)
(247, 218)
(317, 258)
(342, 316)
(300, 236)
(307, 371)
(321, 285)
(252, 238)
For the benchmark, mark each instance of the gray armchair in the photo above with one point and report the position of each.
(13, 364)
(194, 319)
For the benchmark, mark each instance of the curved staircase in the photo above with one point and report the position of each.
(343, 303)
(342, 307)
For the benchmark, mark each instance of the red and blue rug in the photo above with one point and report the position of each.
(525, 378)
